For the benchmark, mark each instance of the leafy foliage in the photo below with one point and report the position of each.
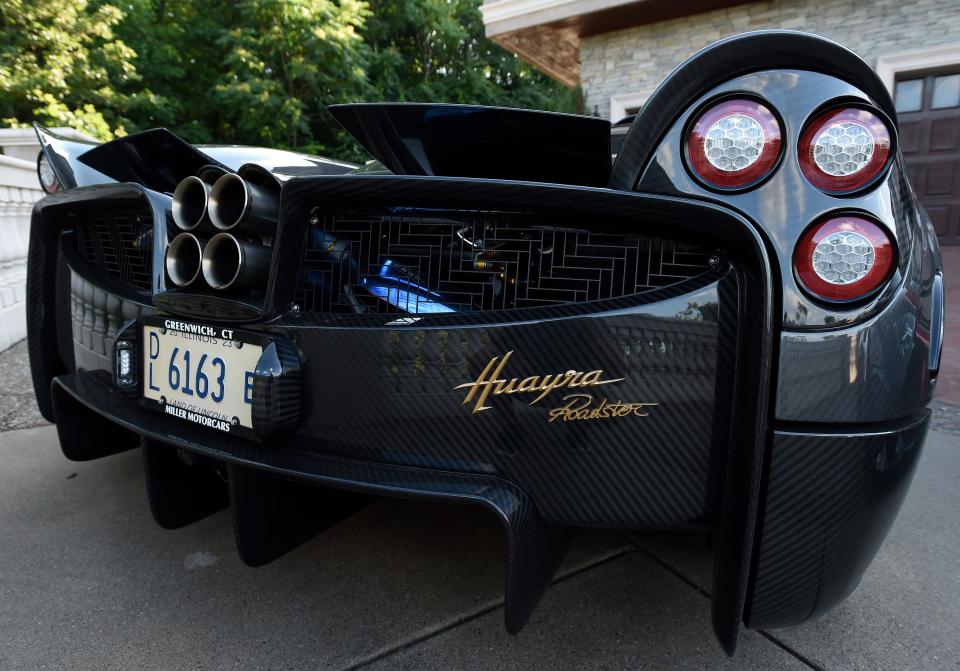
(60, 62)
(251, 72)
(435, 51)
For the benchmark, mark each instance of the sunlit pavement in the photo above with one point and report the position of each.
(89, 582)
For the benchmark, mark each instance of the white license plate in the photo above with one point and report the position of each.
(197, 374)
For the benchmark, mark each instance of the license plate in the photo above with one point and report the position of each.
(200, 373)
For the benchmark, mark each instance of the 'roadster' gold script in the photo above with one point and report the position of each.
(492, 382)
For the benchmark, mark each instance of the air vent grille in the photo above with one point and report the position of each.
(119, 245)
(427, 263)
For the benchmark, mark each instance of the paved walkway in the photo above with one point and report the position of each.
(89, 582)
(18, 407)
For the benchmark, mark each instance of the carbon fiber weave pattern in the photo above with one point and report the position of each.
(830, 501)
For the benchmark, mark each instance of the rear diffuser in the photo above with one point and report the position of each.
(272, 514)
(257, 472)
(179, 492)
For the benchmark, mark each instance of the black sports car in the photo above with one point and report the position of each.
(733, 327)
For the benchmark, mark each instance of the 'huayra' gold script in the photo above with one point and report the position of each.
(492, 382)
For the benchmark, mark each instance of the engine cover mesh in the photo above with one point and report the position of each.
(417, 262)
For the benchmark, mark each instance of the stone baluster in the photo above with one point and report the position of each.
(19, 190)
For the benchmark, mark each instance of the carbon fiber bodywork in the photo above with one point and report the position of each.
(831, 499)
(709, 393)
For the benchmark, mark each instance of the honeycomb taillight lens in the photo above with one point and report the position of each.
(734, 144)
(844, 149)
(844, 258)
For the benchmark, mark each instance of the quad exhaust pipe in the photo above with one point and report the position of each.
(231, 263)
(237, 204)
(190, 204)
(227, 260)
(231, 204)
(183, 259)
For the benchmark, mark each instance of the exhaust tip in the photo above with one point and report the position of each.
(182, 259)
(190, 203)
(229, 201)
(222, 261)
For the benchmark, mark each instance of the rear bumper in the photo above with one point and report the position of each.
(830, 500)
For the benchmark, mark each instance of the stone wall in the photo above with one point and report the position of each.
(19, 190)
(636, 59)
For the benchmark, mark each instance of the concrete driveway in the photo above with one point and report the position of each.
(87, 581)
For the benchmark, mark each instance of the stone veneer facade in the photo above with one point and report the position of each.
(636, 59)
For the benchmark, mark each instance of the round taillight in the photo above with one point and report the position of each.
(844, 149)
(734, 144)
(48, 178)
(844, 258)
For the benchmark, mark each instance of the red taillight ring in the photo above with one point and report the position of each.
(853, 168)
(734, 144)
(844, 258)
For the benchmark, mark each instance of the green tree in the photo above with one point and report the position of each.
(250, 72)
(436, 51)
(283, 62)
(177, 65)
(60, 64)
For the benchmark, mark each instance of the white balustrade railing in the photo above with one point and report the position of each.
(19, 190)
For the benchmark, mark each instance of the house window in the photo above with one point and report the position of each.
(946, 92)
(908, 95)
(624, 104)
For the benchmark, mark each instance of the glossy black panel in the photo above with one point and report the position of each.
(876, 371)
(284, 164)
(277, 390)
(45, 294)
(205, 306)
(870, 373)
(725, 60)
(746, 455)
(142, 158)
(831, 499)
(156, 159)
(62, 153)
(472, 141)
(665, 461)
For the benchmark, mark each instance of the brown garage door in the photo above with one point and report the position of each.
(928, 106)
